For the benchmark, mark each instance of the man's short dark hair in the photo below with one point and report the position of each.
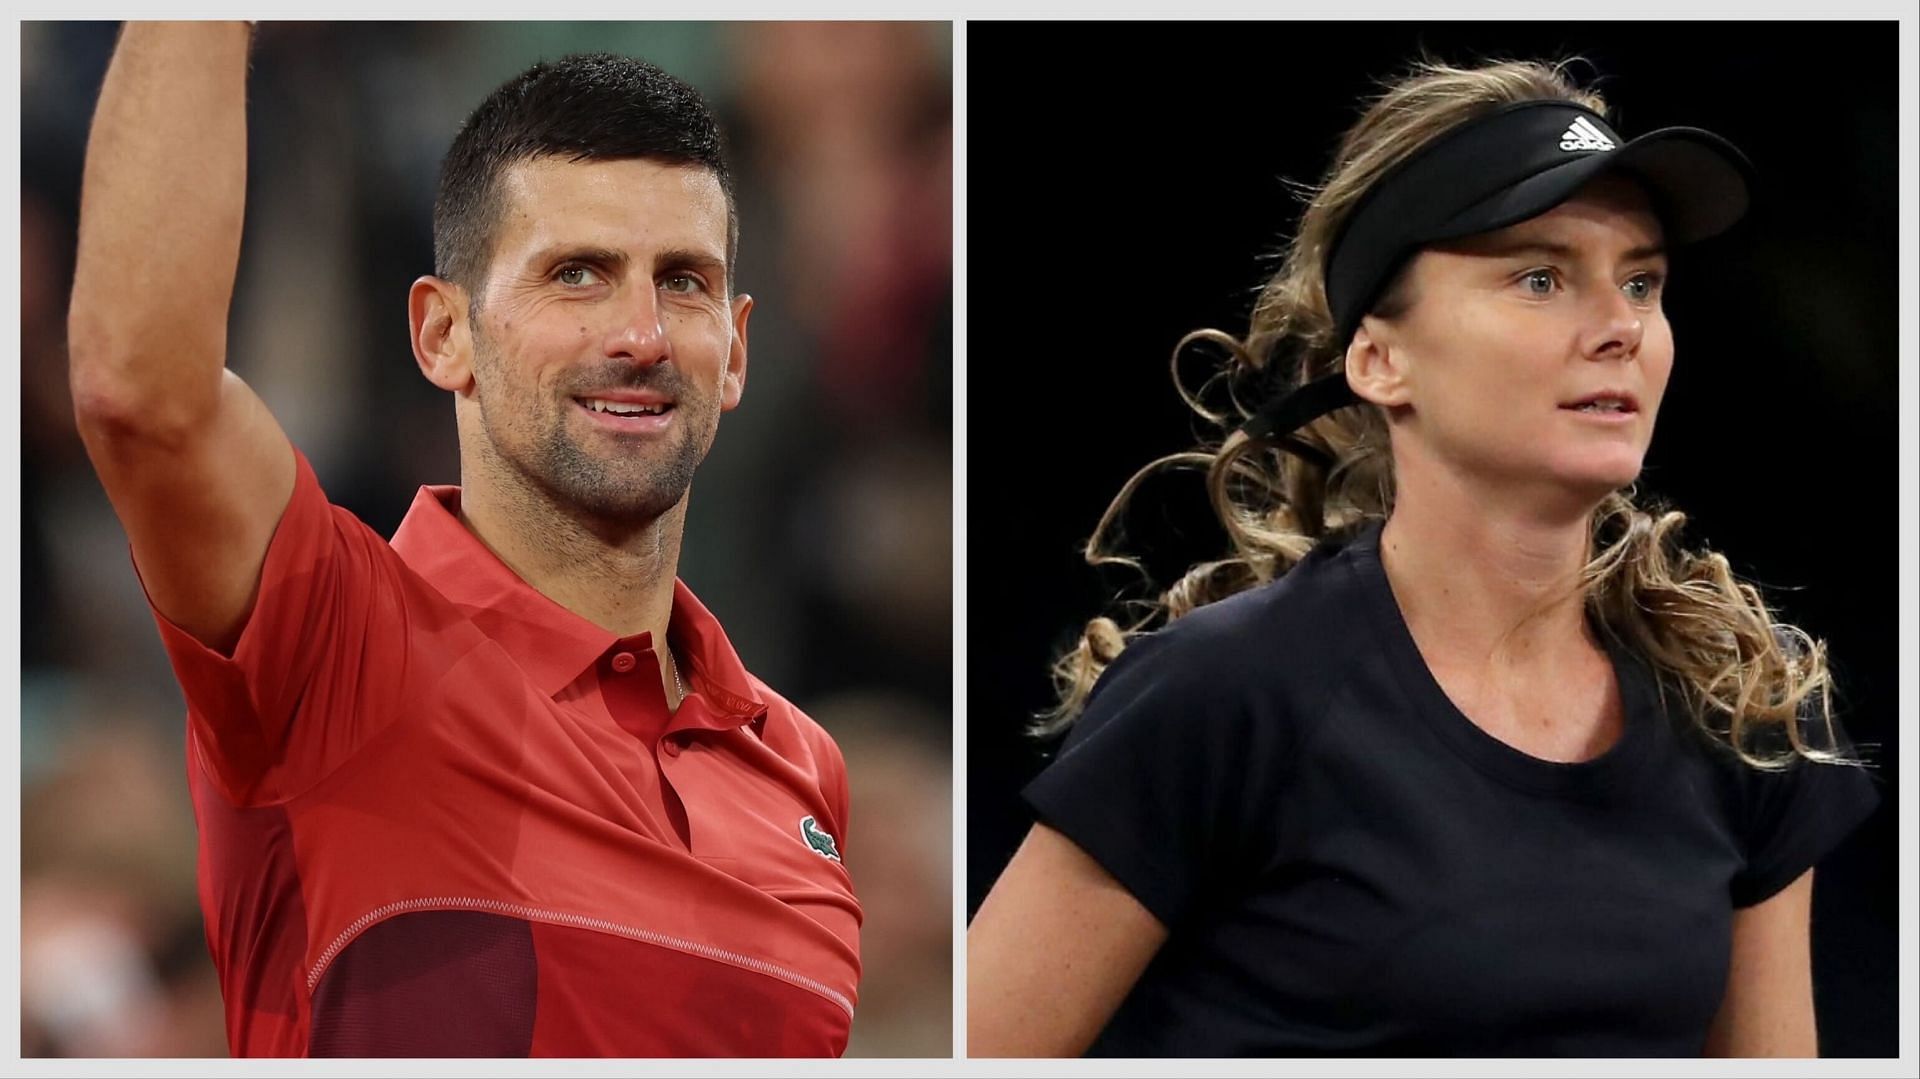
(591, 107)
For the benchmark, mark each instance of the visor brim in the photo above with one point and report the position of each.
(1700, 185)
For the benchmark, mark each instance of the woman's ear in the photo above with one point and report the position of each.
(1376, 368)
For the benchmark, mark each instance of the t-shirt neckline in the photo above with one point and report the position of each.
(1509, 765)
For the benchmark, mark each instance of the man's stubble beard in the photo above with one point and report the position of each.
(616, 488)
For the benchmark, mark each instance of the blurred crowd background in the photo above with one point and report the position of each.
(819, 531)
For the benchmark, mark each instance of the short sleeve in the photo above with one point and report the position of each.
(1157, 780)
(1793, 819)
(318, 665)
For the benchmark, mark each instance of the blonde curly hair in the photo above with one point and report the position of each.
(1710, 637)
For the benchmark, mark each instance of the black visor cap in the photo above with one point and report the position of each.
(1517, 163)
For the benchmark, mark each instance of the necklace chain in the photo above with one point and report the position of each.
(674, 666)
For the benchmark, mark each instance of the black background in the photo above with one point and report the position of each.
(1124, 187)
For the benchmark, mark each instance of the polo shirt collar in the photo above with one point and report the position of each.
(553, 644)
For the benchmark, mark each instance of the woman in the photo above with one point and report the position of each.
(1459, 752)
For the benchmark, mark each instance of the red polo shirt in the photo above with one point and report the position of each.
(441, 815)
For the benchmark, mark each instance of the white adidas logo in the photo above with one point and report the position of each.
(1584, 136)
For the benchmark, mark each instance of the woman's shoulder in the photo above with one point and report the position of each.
(1322, 596)
(1294, 628)
(1220, 698)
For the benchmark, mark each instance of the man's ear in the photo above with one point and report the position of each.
(1376, 368)
(735, 381)
(442, 341)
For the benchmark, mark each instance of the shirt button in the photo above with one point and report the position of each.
(670, 747)
(623, 662)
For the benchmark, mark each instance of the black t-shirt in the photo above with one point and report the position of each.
(1348, 865)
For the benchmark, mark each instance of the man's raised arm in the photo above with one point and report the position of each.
(196, 468)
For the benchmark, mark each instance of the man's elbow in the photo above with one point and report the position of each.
(119, 392)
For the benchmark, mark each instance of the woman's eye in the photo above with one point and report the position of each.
(1641, 287)
(1539, 282)
(680, 282)
(576, 276)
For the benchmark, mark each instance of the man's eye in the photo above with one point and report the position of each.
(576, 276)
(680, 282)
(1539, 282)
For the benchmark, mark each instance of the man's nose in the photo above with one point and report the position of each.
(638, 334)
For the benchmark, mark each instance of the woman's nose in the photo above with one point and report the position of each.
(1618, 325)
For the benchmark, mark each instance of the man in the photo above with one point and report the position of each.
(501, 787)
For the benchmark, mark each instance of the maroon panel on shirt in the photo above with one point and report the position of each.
(435, 983)
(693, 1006)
